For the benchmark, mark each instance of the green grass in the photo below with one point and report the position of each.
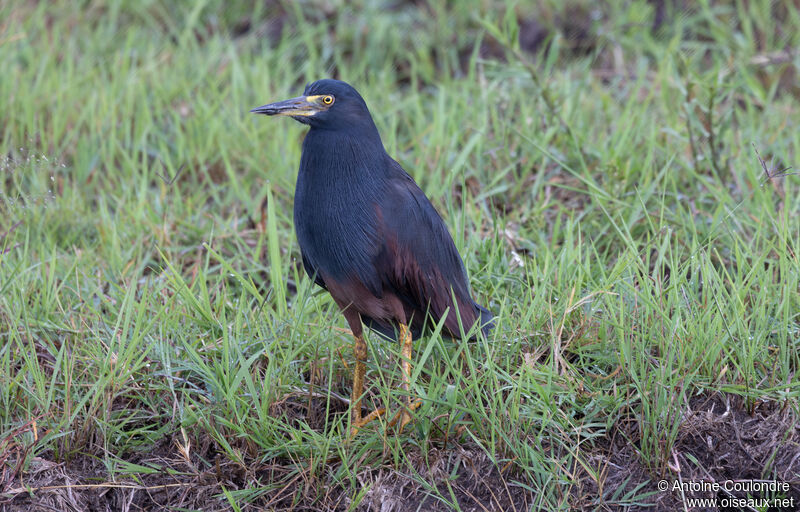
(608, 204)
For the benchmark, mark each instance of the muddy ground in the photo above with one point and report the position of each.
(719, 440)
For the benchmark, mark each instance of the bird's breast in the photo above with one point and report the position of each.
(335, 219)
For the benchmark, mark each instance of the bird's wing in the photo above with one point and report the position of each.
(418, 260)
(313, 272)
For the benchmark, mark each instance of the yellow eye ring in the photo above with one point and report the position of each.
(327, 100)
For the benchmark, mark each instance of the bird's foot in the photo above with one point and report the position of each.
(360, 422)
(403, 416)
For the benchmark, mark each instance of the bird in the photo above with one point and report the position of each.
(371, 237)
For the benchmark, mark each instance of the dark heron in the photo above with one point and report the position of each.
(369, 235)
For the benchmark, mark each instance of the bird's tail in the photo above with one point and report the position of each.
(487, 320)
(487, 325)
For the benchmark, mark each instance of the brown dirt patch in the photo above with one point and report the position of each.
(719, 440)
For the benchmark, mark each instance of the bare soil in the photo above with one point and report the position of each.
(720, 439)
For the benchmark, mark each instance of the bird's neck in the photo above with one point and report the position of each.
(343, 154)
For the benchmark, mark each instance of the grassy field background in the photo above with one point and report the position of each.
(614, 176)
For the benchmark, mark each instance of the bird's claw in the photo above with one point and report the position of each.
(404, 415)
(358, 423)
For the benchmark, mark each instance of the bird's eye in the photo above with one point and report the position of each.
(327, 100)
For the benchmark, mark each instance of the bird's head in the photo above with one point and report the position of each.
(329, 104)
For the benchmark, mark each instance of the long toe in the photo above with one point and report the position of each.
(356, 426)
(403, 416)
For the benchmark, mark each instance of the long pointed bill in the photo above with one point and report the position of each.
(300, 106)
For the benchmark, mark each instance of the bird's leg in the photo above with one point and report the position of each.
(360, 353)
(406, 340)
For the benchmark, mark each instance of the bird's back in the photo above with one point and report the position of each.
(421, 263)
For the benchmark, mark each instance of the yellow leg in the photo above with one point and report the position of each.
(405, 339)
(404, 415)
(360, 353)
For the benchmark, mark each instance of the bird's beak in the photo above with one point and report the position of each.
(300, 106)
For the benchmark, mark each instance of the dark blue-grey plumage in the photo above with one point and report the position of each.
(367, 232)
